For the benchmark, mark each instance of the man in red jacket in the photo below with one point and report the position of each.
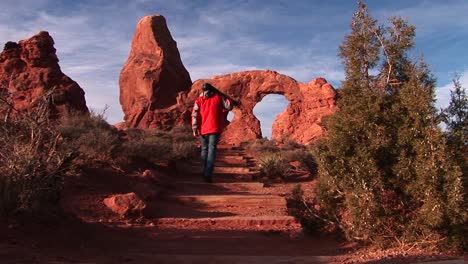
(208, 121)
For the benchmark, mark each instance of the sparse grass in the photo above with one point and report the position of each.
(37, 152)
(266, 151)
(90, 134)
(261, 146)
(274, 166)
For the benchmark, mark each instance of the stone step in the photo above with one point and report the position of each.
(224, 186)
(203, 259)
(194, 168)
(229, 163)
(280, 223)
(248, 200)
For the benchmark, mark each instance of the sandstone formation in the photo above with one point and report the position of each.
(152, 77)
(156, 92)
(301, 121)
(30, 68)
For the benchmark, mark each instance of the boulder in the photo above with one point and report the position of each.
(30, 68)
(125, 204)
(152, 78)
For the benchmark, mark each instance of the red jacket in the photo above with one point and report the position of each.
(209, 113)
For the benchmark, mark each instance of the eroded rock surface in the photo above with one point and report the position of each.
(30, 68)
(301, 121)
(156, 92)
(152, 77)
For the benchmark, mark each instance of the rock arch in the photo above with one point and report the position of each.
(300, 121)
(159, 93)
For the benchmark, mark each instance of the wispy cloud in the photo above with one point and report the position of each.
(443, 92)
(298, 38)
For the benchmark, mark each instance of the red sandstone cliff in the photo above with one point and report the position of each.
(156, 91)
(29, 68)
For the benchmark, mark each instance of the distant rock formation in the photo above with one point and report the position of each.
(156, 92)
(301, 121)
(152, 77)
(30, 68)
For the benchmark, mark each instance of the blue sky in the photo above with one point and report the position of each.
(297, 38)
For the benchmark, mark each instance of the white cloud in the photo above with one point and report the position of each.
(432, 17)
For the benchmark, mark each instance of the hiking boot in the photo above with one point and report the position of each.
(208, 179)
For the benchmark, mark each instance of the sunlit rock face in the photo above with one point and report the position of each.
(156, 92)
(30, 68)
(152, 77)
(302, 119)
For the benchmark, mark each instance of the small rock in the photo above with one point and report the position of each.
(125, 204)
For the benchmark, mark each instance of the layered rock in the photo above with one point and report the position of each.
(30, 68)
(152, 77)
(301, 121)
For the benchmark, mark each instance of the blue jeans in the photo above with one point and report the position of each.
(208, 153)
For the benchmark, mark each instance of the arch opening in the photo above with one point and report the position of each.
(267, 110)
(230, 116)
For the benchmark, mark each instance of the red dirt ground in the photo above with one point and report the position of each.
(88, 232)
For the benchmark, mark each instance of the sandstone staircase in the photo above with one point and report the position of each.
(235, 219)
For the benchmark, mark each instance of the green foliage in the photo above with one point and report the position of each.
(455, 117)
(300, 209)
(385, 175)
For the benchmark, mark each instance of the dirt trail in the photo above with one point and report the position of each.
(234, 220)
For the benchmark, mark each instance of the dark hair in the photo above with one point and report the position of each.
(207, 86)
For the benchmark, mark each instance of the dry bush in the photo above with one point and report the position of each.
(305, 158)
(33, 159)
(183, 143)
(147, 144)
(261, 146)
(274, 166)
(157, 145)
(90, 134)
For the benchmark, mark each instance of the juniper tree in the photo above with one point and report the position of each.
(383, 168)
(455, 116)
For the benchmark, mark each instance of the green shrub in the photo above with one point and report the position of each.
(303, 211)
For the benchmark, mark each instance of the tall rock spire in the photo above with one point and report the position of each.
(153, 75)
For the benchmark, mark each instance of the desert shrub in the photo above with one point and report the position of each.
(302, 155)
(304, 211)
(158, 145)
(148, 144)
(183, 143)
(273, 166)
(33, 160)
(261, 146)
(385, 174)
(95, 140)
(290, 144)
